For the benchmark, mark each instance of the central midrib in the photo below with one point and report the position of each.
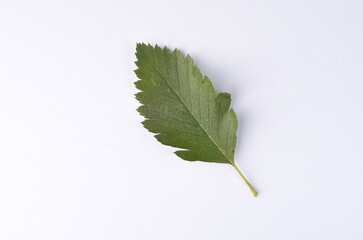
(191, 113)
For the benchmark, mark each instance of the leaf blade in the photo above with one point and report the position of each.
(194, 102)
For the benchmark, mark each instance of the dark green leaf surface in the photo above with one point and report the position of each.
(181, 106)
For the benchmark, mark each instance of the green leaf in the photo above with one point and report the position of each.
(181, 106)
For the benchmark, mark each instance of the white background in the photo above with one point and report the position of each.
(75, 162)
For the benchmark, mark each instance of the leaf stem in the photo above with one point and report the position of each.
(245, 179)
